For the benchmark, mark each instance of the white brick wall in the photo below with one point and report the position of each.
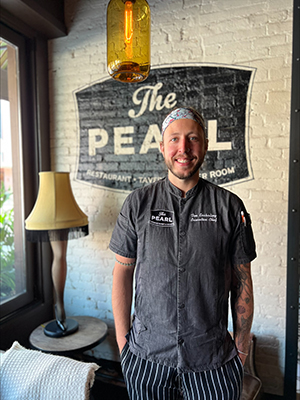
(254, 33)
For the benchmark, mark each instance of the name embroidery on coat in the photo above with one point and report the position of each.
(204, 217)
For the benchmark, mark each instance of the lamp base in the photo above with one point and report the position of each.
(53, 330)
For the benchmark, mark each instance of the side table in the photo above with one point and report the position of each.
(91, 332)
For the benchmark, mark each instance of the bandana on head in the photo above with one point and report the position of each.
(182, 113)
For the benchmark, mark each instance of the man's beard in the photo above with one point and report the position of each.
(183, 176)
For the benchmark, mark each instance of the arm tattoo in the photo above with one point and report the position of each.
(240, 310)
(242, 282)
(242, 300)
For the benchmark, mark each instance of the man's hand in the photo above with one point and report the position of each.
(121, 343)
(243, 358)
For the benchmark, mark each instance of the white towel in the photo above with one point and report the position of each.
(33, 375)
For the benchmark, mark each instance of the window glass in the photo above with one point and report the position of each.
(12, 243)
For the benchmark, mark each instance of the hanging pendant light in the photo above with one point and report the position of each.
(128, 40)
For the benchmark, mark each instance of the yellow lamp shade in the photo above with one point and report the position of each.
(55, 207)
(128, 40)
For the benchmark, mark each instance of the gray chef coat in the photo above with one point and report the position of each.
(185, 250)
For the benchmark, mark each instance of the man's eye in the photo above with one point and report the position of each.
(193, 138)
(173, 139)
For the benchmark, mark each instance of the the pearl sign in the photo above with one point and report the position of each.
(120, 124)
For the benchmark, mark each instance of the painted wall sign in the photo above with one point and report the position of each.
(120, 125)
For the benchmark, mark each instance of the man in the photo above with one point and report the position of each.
(190, 243)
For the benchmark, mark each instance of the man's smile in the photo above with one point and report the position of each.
(184, 160)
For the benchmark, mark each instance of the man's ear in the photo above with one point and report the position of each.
(161, 146)
(206, 145)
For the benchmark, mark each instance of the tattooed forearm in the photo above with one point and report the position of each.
(242, 304)
(241, 280)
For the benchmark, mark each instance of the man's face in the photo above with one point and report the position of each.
(184, 147)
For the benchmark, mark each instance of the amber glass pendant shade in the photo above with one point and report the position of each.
(128, 40)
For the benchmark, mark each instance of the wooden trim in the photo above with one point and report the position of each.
(35, 15)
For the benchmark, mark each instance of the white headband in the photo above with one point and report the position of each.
(182, 113)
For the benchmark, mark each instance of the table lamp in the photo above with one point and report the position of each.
(56, 218)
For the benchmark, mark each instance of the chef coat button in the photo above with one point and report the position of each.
(181, 269)
(180, 341)
(181, 305)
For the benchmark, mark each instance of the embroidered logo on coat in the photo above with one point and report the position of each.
(162, 218)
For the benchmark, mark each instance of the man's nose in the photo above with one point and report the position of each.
(185, 145)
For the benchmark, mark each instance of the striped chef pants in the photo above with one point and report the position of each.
(146, 380)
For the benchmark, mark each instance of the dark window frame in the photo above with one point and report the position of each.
(20, 321)
(293, 250)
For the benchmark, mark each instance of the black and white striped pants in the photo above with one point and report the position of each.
(146, 380)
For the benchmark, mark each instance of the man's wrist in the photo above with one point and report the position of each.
(242, 352)
(121, 343)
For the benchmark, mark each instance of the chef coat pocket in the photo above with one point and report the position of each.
(139, 335)
(138, 326)
(247, 235)
(160, 242)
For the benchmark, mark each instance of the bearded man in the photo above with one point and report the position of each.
(190, 245)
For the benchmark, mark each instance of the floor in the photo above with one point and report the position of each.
(106, 391)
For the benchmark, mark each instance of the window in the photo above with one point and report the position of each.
(16, 287)
(12, 244)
